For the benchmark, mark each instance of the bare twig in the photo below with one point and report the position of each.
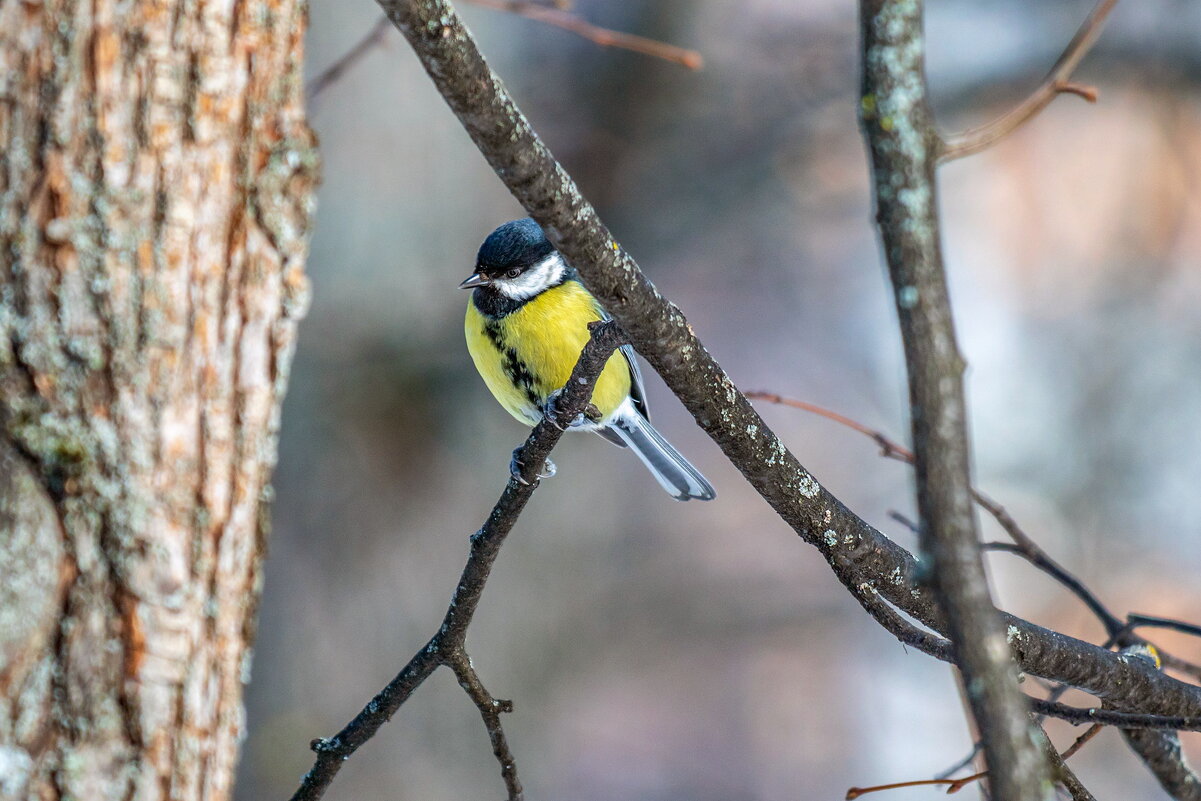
(1112, 717)
(940, 648)
(328, 77)
(889, 448)
(1134, 621)
(961, 764)
(490, 710)
(1119, 633)
(1036, 556)
(1063, 774)
(1056, 83)
(447, 646)
(604, 37)
(1089, 734)
(1023, 544)
(952, 785)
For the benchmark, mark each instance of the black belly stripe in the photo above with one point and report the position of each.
(514, 367)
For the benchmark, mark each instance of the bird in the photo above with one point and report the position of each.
(527, 321)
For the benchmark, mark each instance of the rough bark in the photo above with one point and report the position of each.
(156, 190)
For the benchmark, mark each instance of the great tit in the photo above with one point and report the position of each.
(527, 322)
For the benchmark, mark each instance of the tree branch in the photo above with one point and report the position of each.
(856, 552)
(900, 133)
(1134, 621)
(447, 647)
(1056, 83)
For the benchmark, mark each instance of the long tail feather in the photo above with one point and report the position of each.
(673, 472)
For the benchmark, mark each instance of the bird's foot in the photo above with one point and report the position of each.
(550, 410)
(516, 465)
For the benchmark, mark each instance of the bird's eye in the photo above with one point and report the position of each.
(513, 273)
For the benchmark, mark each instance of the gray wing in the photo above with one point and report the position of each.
(637, 388)
(637, 394)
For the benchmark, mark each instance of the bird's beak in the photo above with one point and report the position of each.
(474, 280)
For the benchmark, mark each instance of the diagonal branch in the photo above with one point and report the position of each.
(857, 553)
(447, 647)
(1056, 83)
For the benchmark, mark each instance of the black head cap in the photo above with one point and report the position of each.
(517, 244)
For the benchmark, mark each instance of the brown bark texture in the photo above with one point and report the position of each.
(157, 183)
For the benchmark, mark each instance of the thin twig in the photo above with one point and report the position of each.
(1134, 621)
(1063, 775)
(490, 710)
(1112, 717)
(1036, 556)
(604, 37)
(961, 764)
(1024, 545)
(1089, 734)
(331, 74)
(1119, 633)
(952, 785)
(447, 646)
(1056, 83)
(889, 448)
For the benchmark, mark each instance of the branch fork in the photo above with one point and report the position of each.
(448, 647)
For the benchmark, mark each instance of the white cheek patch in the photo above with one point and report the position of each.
(545, 273)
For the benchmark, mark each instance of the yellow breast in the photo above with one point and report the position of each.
(525, 356)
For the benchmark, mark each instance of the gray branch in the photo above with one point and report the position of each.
(904, 147)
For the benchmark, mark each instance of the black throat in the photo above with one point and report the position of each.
(493, 303)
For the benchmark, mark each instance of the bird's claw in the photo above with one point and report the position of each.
(550, 410)
(516, 465)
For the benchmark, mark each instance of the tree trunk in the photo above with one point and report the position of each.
(156, 190)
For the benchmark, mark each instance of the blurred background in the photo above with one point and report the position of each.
(660, 651)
